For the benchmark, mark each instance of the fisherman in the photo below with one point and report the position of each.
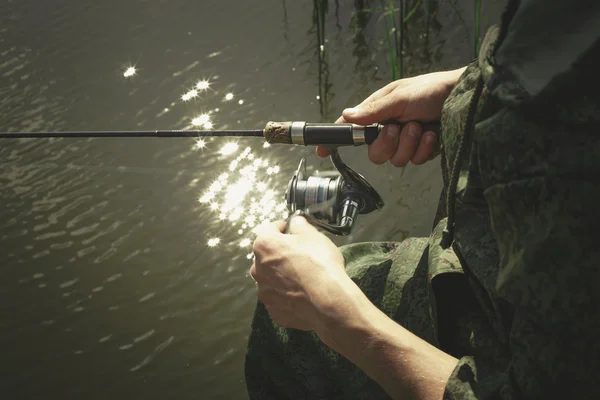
(502, 300)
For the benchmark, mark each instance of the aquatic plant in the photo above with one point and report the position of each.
(319, 12)
(476, 27)
(395, 15)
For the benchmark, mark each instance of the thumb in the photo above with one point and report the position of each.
(379, 110)
(300, 226)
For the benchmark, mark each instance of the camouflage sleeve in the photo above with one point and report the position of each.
(542, 185)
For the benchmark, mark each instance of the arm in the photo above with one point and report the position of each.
(302, 281)
(403, 364)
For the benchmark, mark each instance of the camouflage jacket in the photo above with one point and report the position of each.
(522, 178)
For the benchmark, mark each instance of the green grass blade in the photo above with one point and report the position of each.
(389, 40)
(412, 11)
(400, 39)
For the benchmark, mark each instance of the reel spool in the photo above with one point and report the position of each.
(331, 201)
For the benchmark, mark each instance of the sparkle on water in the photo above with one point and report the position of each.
(200, 144)
(129, 72)
(203, 85)
(242, 197)
(190, 95)
(202, 120)
(229, 148)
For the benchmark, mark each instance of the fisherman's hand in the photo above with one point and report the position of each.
(301, 276)
(420, 98)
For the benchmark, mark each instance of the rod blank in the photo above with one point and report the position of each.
(126, 134)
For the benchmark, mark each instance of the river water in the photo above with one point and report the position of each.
(123, 262)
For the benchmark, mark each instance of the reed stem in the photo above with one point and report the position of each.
(476, 28)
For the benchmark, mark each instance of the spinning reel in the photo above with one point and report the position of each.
(331, 201)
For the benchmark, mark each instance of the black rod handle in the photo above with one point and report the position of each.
(328, 134)
(332, 134)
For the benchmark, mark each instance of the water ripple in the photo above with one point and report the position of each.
(113, 278)
(157, 350)
(144, 336)
(147, 297)
(67, 284)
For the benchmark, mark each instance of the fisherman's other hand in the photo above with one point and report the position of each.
(301, 276)
(420, 98)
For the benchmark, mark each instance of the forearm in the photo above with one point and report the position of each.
(404, 365)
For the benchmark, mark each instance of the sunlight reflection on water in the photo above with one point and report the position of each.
(244, 196)
(129, 72)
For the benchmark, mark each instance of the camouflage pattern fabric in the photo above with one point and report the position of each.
(291, 364)
(526, 220)
(516, 297)
(526, 214)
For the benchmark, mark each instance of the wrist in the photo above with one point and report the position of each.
(347, 310)
(452, 77)
(404, 365)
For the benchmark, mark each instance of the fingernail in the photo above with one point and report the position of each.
(429, 139)
(392, 131)
(413, 130)
(351, 111)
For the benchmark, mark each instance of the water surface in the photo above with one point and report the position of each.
(112, 281)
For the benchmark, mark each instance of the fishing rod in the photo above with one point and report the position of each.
(128, 134)
(297, 132)
(330, 201)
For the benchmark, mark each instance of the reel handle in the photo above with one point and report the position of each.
(288, 222)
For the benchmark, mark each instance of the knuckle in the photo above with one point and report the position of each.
(377, 153)
(371, 107)
(418, 160)
(261, 244)
(400, 158)
(376, 158)
(398, 162)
